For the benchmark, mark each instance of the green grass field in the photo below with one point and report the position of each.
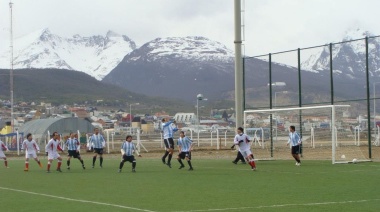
(214, 185)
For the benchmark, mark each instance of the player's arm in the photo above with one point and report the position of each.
(103, 142)
(122, 149)
(59, 148)
(3, 146)
(167, 124)
(36, 147)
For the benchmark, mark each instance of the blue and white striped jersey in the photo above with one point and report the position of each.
(128, 148)
(97, 141)
(185, 144)
(168, 129)
(294, 139)
(72, 144)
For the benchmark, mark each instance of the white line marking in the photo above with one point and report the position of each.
(285, 205)
(76, 200)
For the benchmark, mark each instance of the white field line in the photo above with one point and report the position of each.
(284, 205)
(76, 200)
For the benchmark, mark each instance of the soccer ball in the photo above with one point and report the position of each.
(354, 160)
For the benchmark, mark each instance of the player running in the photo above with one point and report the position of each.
(31, 149)
(73, 147)
(2, 155)
(242, 140)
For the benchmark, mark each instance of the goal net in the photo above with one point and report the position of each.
(328, 132)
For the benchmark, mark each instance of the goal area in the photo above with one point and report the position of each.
(328, 132)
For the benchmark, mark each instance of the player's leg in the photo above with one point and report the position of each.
(179, 158)
(251, 161)
(37, 160)
(94, 158)
(166, 143)
(26, 162)
(101, 158)
(68, 161)
(81, 161)
(50, 160)
(59, 163)
(188, 158)
(123, 159)
(133, 164)
(171, 151)
(5, 162)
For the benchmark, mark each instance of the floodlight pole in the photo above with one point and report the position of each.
(11, 63)
(238, 65)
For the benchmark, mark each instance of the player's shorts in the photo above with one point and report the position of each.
(98, 151)
(184, 155)
(129, 158)
(73, 153)
(296, 150)
(2, 155)
(246, 153)
(53, 155)
(169, 143)
(30, 155)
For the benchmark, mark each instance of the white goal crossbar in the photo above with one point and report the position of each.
(333, 128)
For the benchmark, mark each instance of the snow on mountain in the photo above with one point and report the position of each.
(191, 48)
(348, 57)
(95, 55)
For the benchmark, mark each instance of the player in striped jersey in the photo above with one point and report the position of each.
(98, 143)
(31, 149)
(184, 148)
(127, 150)
(73, 147)
(2, 155)
(168, 129)
(243, 141)
(51, 149)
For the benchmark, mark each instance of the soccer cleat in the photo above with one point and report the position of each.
(59, 170)
(25, 170)
(253, 168)
(234, 162)
(181, 167)
(191, 169)
(40, 164)
(119, 171)
(48, 171)
(133, 170)
(163, 160)
(68, 167)
(297, 164)
(92, 166)
(101, 166)
(168, 164)
(83, 167)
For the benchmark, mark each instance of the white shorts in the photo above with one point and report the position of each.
(246, 153)
(53, 155)
(30, 155)
(2, 155)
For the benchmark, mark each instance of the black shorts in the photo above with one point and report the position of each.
(73, 153)
(128, 158)
(98, 151)
(296, 150)
(184, 155)
(169, 143)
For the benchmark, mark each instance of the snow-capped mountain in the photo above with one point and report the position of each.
(94, 55)
(348, 57)
(177, 66)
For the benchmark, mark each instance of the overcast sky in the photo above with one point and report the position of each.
(270, 25)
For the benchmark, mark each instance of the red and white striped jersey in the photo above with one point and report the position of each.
(53, 146)
(30, 146)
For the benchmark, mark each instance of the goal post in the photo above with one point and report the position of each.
(327, 132)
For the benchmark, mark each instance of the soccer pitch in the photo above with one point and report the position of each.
(214, 185)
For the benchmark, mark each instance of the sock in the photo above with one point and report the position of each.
(170, 158)
(180, 162)
(68, 162)
(6, 163)
(93, 160)
(121, 165)
(101, 161)
(39, 162)
(252, 163)
(48, 166)
(165, 155)
(59, 164)
(26, 165)
(189, 162)
(81, 161)
(133, 165)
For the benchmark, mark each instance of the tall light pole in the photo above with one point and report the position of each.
(11, 63)
(374, 104)
(199, 98)
(130, 117)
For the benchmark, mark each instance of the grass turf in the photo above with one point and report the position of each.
(214, 184)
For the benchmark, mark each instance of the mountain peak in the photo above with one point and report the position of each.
(357, 33)
(112, 34)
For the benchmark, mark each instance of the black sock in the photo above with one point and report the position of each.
(165, 155)
(170, 158)
(93, 160)
(81, 161)
(68, 162)
(121, 165)
(101, 161)
(189, 162)
(133, 165)
(180, 161)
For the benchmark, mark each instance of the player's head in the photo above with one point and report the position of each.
(292, 128)
(163, 120)
(29, 136)
(240, 130)
(128, 138)
(96, 130)
(72, 135)
(55, 135)
(182, 134)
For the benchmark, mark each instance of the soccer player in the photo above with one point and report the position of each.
(31, 149)
(98, 143)
(2, 155)
(184, 148)
(127, 150)
(242, 140)
(73, 147)
(168, 130)
(239, 156)
(295, 141)
(51, 149)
